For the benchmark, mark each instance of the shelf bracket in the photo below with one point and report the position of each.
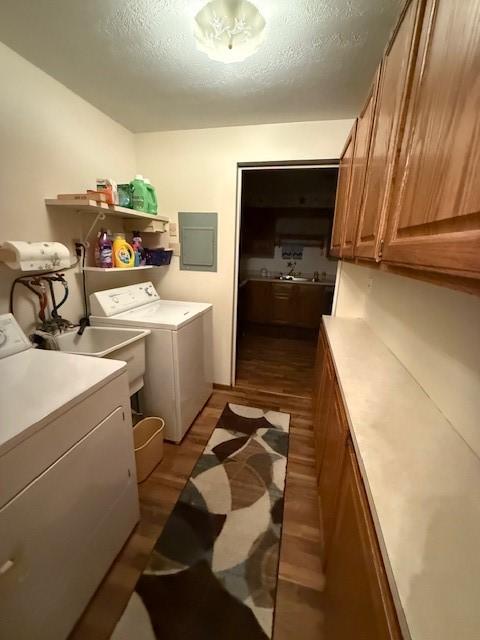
(100, 216)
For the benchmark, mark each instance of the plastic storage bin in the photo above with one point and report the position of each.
(148, 443)
(158, 257)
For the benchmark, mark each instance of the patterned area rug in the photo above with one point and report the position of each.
(213, 571)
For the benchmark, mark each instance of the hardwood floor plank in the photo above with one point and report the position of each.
(282, 365)
(300, 615)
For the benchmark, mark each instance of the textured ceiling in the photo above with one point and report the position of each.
(136, 59)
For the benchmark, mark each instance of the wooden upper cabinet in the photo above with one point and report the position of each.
(358, 602)
(342, 199)
(392, 92)
(258, 232)
(358, 171)
(434, 221)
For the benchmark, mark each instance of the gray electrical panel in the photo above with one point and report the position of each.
(198, 241)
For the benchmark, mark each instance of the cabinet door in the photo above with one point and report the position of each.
(62, 532)
(258, 301)
(435, 218)
(335, 439)
(258, 232)
(357, 598)
(308, 305)
(283, 307)
(341, 202)
(392, 91)
(323, 400)
(359, 166)
(320, 363)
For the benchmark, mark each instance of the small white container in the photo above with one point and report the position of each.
(148, 443)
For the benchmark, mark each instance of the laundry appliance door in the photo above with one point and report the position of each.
(192, 349)
(61, 533)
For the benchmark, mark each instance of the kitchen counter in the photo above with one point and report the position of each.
(322, 283)
(422, 482)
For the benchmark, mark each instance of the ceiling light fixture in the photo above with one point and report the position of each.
(229, 30)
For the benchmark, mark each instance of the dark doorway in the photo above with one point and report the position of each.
(286, 276)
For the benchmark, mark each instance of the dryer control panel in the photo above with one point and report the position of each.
(112, 301)
(12, 338)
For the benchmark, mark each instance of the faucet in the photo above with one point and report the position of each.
(292, 266)
(84, 322)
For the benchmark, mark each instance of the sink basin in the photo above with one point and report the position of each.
(294, 279)
(109, 342)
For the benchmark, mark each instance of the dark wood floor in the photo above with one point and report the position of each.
(277, 363)
(298, 609)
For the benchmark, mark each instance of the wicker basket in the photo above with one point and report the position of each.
(148, 443)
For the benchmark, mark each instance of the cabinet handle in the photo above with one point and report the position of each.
(6, 566)
(380, 250)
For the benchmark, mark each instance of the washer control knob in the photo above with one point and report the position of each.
(149, 291)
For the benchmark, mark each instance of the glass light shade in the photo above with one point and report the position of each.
(229, 30)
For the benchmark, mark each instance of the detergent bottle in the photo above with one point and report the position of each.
(140, 194)
(138, 249)
(152, 197)
(103, 250)
(123, 253)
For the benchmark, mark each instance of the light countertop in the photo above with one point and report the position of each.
(257, 278)
(423, 485)
(39, 385)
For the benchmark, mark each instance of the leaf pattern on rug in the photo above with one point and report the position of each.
(214, 569)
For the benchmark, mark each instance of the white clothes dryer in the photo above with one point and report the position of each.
(68, 491)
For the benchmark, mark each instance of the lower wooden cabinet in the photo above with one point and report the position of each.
(334, 439)
(330, 434)
(358, 603)
(284, 303)
(309, 305)
(257, 300)
(324, 379)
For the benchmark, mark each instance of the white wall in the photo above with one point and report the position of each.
(351, 290)
(51, 141)
(196, 170)
(433, 331)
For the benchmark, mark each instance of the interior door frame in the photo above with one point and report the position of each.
(250, 166)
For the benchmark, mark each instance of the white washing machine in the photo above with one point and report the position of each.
(179, 363)
(68, 492)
